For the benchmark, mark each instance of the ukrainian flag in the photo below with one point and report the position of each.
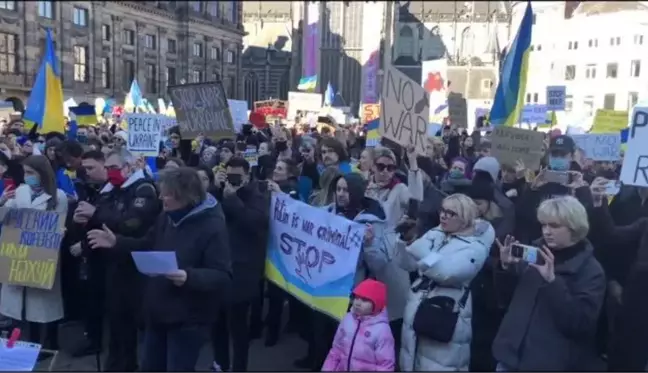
(373, 136)
(170, 111)
(509, 101)
(46, 99)
(84, 115)
(308, 83)
(161, 106)
(134, 97)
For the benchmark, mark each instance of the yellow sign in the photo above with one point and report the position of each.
(609, 121)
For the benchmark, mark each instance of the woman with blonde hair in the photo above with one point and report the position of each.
(436, 324)
(324, 196)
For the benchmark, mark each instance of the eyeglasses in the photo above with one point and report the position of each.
(382, 167)
(448, 213)
(305, 150)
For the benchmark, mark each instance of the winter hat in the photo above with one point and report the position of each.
(372, 290)
(489, 165)
(482, 190)
(122, 135)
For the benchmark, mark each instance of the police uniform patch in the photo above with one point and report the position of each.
(139, 202)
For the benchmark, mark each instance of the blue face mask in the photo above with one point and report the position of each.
(41, 146)
(455, 174)
(33, 181)
(559, 163)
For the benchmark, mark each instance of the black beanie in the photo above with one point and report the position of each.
(481, 190)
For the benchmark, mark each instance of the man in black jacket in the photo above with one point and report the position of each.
(128, 205)
(246, 215)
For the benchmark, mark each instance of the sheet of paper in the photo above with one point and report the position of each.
(155, 262)
(19, 358)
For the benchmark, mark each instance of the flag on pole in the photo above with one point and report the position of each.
(509, 97)
(161, 106)
(329, 95)
(308, 83)
(134, 97)
(45, 105)
(84, 115)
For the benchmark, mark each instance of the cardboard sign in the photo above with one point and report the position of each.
(556, 97)
(635, 162)
(609, 121)
(29, 247)
(144, 134)
(370, 112)
(202, 109)
(599, 147)
(458, 110)
(404, 111)
(508, 144)
(304, 102)
(533, 114)
(239, 110)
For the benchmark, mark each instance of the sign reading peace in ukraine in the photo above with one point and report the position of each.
(313, 254)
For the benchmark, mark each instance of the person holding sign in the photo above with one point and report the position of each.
(37, 306)
(180, 307)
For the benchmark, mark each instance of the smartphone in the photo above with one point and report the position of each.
(527, 253)
(9, 183)
(559, 177)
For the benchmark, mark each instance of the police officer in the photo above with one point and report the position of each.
(128, 205)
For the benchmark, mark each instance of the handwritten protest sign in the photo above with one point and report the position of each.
(635, 162)
(404, 111)
(533, 114)
(313, 254)
(599, 147)
(304, 102)
(609, 121)
(144, 134)
(29, 247)
(556, 97)
(239, 110)
(202, 108)
(508, 144)
(370, 112)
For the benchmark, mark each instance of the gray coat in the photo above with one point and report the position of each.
(552, 326)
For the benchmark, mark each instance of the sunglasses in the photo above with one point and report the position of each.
(382, 167)
(448, 213)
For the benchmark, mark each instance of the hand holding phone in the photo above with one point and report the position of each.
(529, 254)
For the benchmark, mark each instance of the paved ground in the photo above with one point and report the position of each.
(278, 358)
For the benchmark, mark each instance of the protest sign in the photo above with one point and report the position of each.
(508, 144)
(404, 110)
(609, 121)
(458, 110)
(271, 109)
(202, 109)
(144, 134)
(599, 147)
(252, 156)
(303, 102)
(6, 109)
(556, 97)
(29, 247)
(533, 114)
(635, 162)
(313, 254)
(370, 112)
(239, 110)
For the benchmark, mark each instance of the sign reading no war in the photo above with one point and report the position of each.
(599, 147)
(29, 247)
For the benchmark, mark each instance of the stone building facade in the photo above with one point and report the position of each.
(103, 45)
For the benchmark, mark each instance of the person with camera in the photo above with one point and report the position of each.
(437, 329)
(246, 216)
(552, 318)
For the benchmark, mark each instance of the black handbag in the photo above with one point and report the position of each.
(436, 317)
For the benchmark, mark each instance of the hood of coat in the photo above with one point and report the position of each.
(207, 205)
(482, 233)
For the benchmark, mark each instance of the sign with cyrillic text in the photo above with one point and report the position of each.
(202, 109)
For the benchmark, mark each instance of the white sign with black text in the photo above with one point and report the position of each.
(144, 134)
(635, 162)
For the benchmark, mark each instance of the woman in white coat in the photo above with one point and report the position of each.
(448, 257)
(21, 303)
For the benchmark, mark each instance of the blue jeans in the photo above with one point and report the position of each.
(173, 348)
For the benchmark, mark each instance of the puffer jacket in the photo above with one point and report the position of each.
(364, 343)
(451, 262)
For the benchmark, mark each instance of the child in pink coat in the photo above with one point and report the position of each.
(363, 341)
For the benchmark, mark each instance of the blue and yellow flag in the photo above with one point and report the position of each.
(509, 97)
(45, 105)
(85, 115)
(133, 98)
(308, 83)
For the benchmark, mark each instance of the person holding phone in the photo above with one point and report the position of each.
(552, 318)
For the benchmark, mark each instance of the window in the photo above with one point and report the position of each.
(486, 84)
(197, 50)
(608, 101)
(569, 103)
(196, 6)
(151, 78)
(171, 46)
(80, 63)
(105, 32)
(8, 5)
(213, 8)
(592, 43)
(612, 70)
(570, 72)
(105, 72)
(8, 53)
(215, 53)
(196, 76)
(590, 71)
(534, 18)
(81, 17)
(633, 98)
(229, 57)
(171, 75)
(406, 42)
(535, 98)
(231, 87)
(638, 39)
(573, 45)
(150, 41)
(588, 104)
(129, 73)
(129, 37)
(528, 98)
(539, 47)
(216, 77)
(614, 41)
(46, 9)
(635, 68)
